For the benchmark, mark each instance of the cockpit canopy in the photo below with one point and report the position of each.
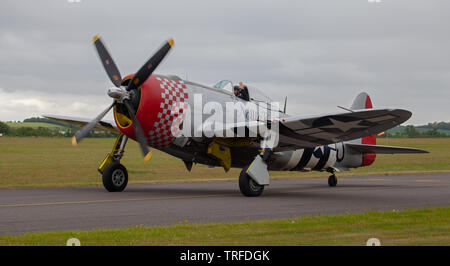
(254, 93)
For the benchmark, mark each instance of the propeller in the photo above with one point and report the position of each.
(139, 133)
(147, 69)
(107, 61)
(84, 131)
(121, 94)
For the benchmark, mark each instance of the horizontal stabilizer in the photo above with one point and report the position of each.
(380, 149)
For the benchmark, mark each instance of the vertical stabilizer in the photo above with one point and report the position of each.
(363, 101)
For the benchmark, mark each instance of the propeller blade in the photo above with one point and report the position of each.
(139, 133)
(84, 131)
(108, 63)
(147, 69)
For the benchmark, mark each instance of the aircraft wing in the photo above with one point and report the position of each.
(380, 149)
(310, 131)
(102, 125)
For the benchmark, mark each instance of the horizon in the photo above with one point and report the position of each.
(40, 117)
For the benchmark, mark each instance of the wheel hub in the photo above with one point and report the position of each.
(118, 177)
(253, 185)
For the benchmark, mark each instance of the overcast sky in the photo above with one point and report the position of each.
(319, 53)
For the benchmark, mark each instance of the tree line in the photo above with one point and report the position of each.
(412, 132)
(49, 132)
(437, 125)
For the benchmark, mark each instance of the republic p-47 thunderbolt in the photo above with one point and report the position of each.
(155, 110)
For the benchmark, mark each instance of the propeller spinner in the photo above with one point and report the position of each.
(121, 94)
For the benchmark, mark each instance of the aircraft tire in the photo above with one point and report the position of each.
(332, 181)
(115, 177)
(248, 187)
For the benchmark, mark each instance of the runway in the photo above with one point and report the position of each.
(57, 209)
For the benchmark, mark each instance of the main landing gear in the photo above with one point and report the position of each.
(114, 174)
(248, 187)
(115, 177)
(254, 177)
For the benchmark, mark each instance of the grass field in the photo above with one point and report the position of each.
(34, 125)
(46, 162)
(410, 227)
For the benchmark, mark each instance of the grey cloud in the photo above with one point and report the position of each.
(318, 52)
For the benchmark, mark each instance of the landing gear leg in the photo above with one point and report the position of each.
(332, 180)
(114, 174)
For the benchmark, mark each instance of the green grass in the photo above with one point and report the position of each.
(34, 125)
(411, 227)
(51, 162)
(436, 161)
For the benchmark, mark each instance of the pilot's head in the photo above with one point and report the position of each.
(236, 90)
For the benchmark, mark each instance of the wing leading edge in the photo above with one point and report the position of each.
(102, 125)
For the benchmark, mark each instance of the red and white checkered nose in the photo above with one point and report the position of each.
(169, 117)
(161, 110)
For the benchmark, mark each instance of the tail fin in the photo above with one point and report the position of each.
(363, 101)
(362, 152)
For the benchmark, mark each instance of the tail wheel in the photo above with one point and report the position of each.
(115, 177)
(248, 186)
(332, 181)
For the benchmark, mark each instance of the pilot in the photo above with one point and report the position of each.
(243, 90)
(236, 91)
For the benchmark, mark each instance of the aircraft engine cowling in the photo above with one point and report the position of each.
(319, 159)
(159, 110)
